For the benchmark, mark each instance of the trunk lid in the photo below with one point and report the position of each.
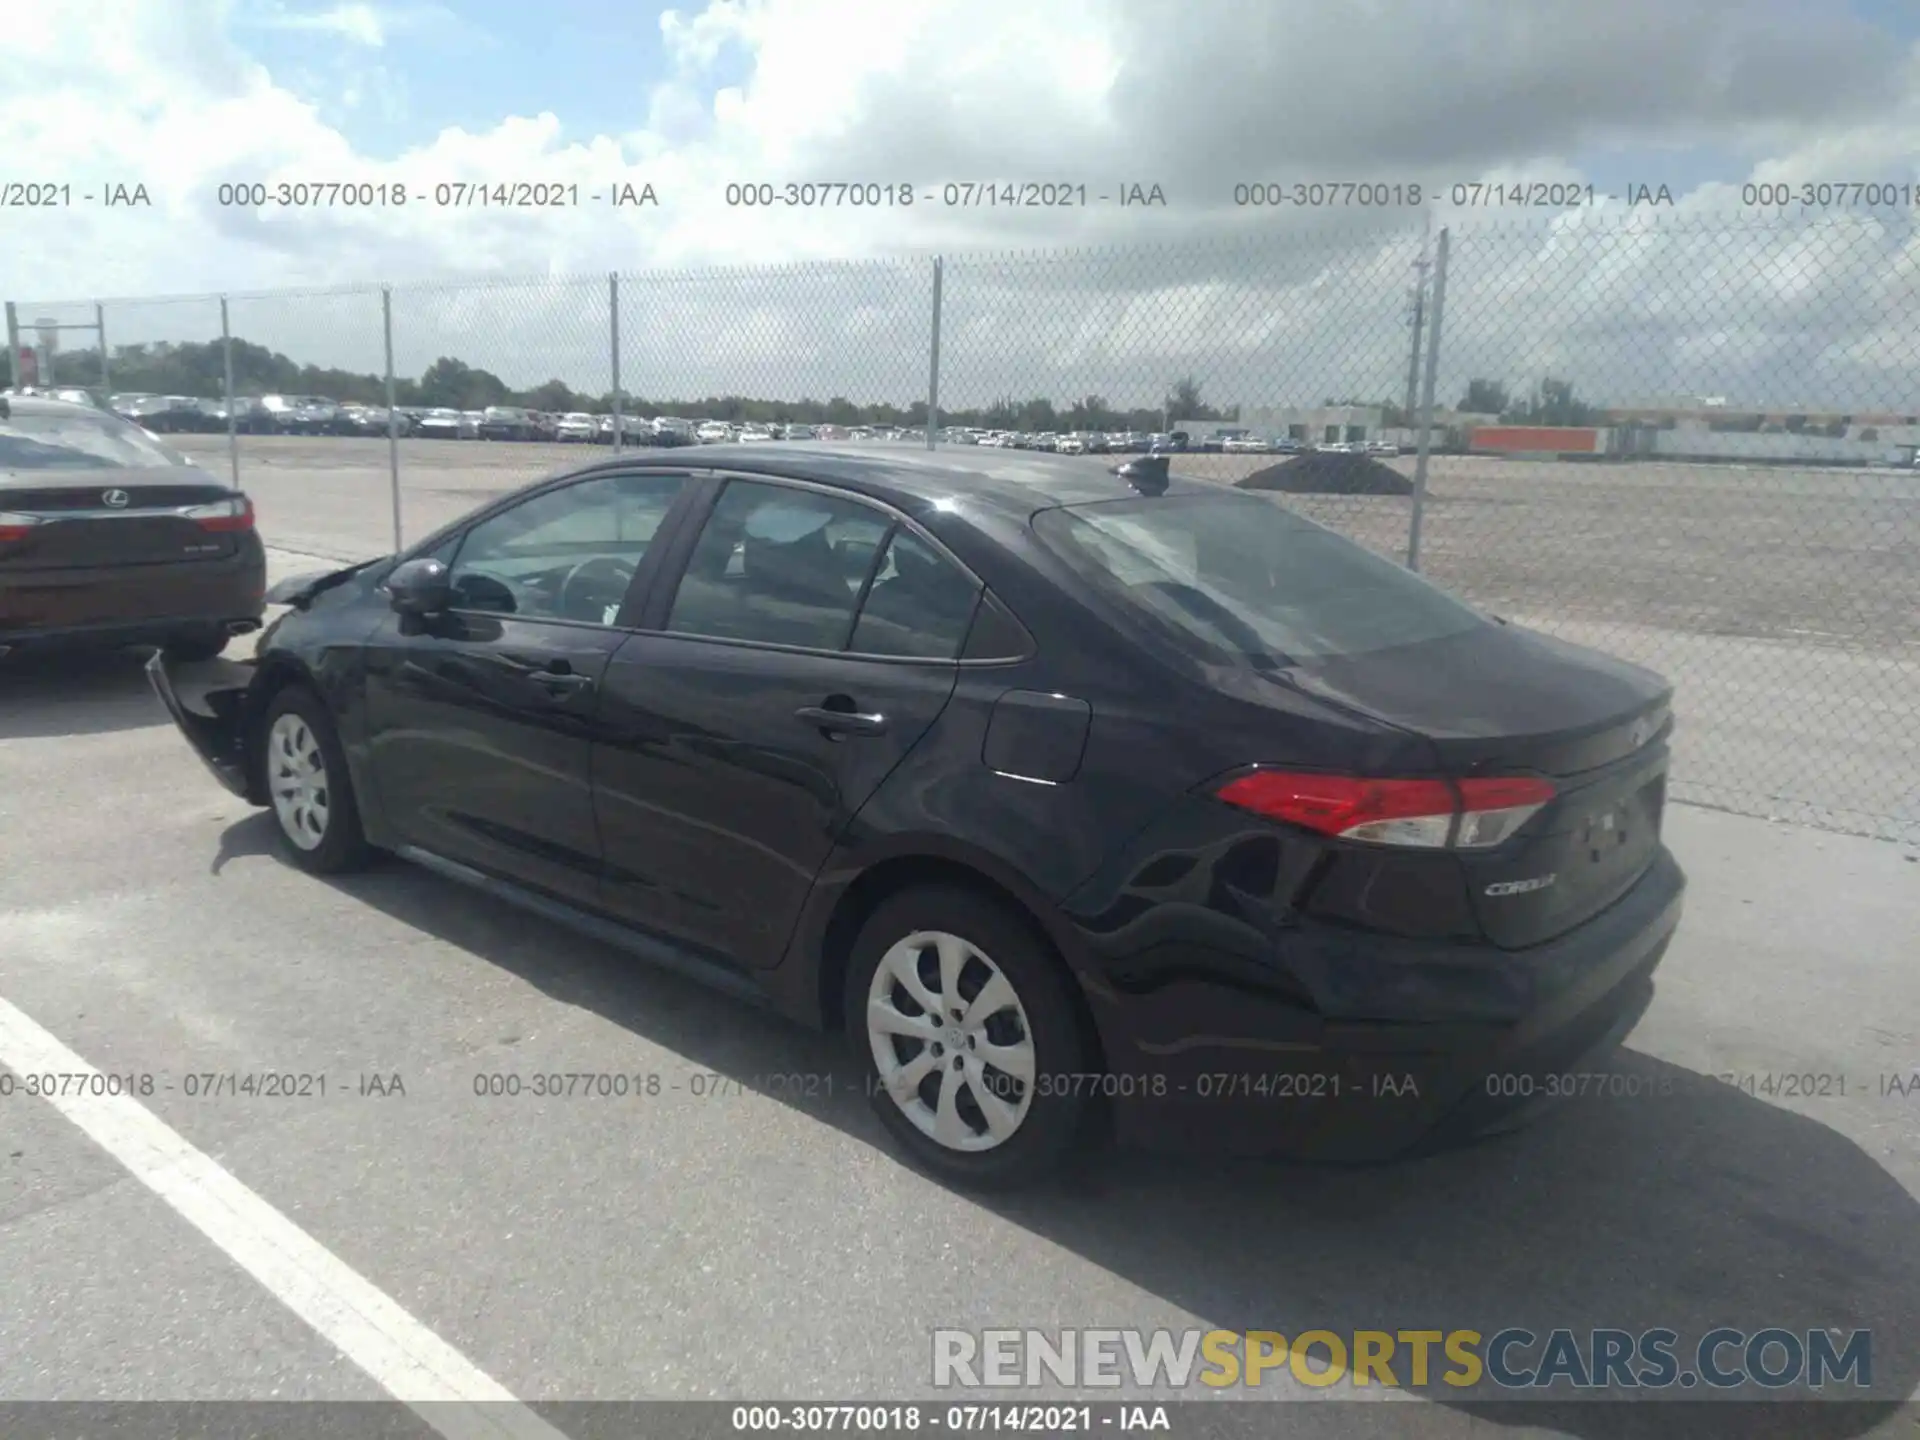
(112, 516)
(1503, 700)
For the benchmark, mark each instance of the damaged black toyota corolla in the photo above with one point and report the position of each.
(1068, 793)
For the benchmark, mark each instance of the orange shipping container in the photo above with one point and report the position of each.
(1537, 439)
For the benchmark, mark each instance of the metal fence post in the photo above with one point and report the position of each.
(933, 364)
(393, 416)
(1420, 267)
(100, 330)
(13, 345)
(613, 317)
(1426, 402)
(233, 420)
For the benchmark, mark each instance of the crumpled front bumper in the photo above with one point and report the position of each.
(208, 702)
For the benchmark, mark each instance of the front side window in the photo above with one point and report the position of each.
(566, 554)
(779, 565)
(1241, 579)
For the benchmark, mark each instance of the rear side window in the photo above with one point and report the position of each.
(780, 565)
(81, 439)
(1244, 580)
(919, 606)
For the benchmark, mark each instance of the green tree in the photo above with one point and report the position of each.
(555, 395)
(1485, 397)
(454, 383)
(1552, 403)
(1037, 414)
(1183, 402)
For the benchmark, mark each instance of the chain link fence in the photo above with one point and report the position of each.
(1225, 334)
(1686, 441)
(1755, 531)
(536, 331)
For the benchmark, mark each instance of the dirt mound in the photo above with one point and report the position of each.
(1320, 472)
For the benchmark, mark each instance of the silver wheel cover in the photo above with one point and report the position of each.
(297, 780)
(951, 1041)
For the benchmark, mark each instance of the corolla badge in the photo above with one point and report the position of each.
(116, 498)
(1521, 887)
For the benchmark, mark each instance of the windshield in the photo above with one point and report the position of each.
(1246, 581)
(78, 439)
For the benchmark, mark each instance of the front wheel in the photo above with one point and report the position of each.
(963, 1024)
(308, 785)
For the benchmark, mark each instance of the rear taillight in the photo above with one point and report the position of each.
(1381, 811)
(14, 526)
(222, 515)
(1492, 807)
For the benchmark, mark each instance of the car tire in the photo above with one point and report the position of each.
(314, 809)
(193, 645)
(1036, 1027)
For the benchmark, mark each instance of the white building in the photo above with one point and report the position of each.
(1310, 425)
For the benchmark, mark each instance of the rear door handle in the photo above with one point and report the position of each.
(842, 722)
(559, 683)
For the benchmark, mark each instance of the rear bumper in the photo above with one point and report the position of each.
(132, 604)
(1235, 1080)
(208, 702)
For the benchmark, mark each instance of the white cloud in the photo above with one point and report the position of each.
(166, 93)
(360, 23)
(356, 22)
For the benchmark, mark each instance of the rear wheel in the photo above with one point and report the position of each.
(308, 786)
(963, 1024)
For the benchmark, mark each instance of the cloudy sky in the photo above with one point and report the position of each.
(1817, 305)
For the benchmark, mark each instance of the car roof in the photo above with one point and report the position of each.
(46, 405)
(1016, 483)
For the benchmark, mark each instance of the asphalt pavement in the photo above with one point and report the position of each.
(719, 1231)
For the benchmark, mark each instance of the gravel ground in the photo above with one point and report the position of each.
(1714, 550)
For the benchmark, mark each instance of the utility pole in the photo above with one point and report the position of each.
(1421, 266)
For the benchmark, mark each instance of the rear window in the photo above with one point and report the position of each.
(1246, 581)
(79, 440)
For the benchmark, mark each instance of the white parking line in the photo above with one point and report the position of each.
(404, 1357)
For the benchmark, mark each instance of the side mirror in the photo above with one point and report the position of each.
(419, 587)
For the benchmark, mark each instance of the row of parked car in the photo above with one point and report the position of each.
(1075, 442)
(1138, 442)
(316, 415)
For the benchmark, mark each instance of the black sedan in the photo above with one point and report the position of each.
(165, 414)
(1075, 796)
(508, 422)
(108, 537)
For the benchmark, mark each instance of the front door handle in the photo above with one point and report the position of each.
(842, 722)
(560, 684)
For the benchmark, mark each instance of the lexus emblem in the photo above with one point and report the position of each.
(116, 498)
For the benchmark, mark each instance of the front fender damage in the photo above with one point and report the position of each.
(211, 705)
